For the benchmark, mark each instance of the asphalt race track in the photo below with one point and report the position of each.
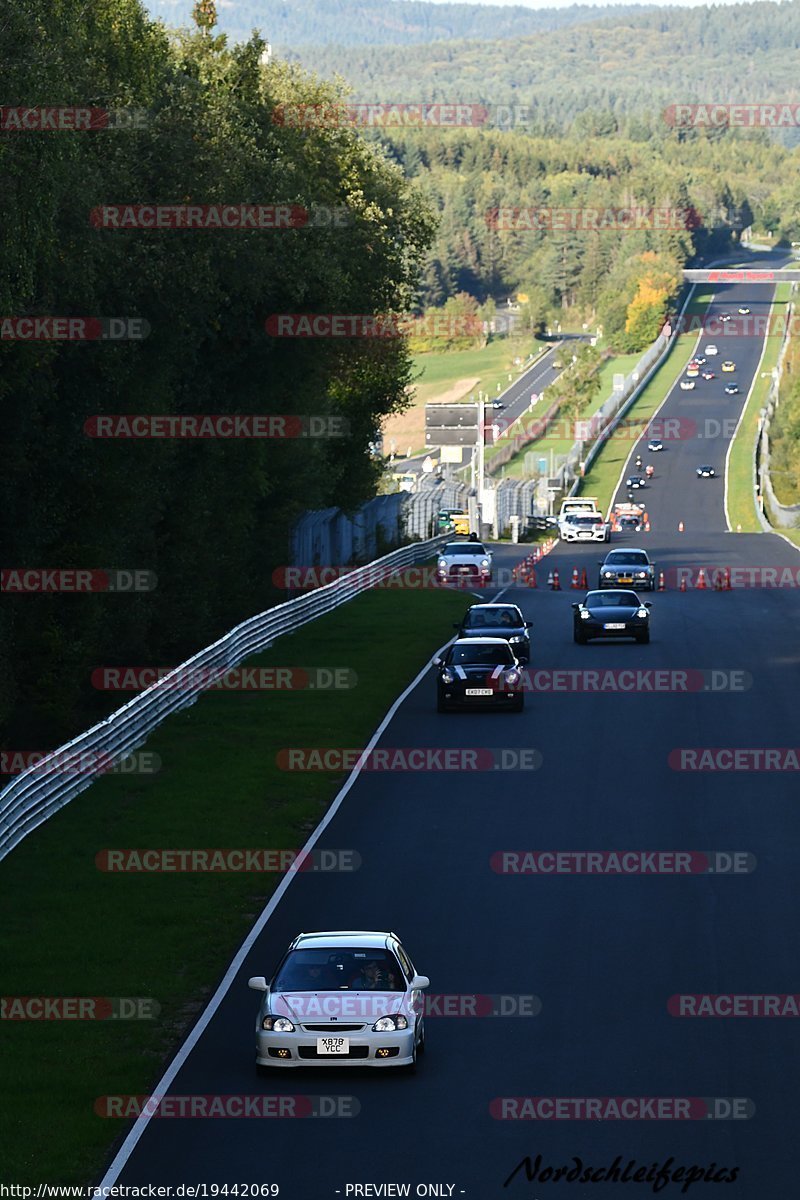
(603, 953)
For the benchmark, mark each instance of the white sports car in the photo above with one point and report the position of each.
(464, 560)
(341, 999)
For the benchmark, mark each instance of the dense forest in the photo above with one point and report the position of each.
(210, 518)
(292, 23)
(616, 74)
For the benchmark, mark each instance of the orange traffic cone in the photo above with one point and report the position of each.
(584, 580)
(680, 526)
(647, 526)
(575, 583)
(662, 585)
(718, 581)
(556, 583)
(726, 587)
(531, 580)
(701, 580)
(682, 587)
(551, 583)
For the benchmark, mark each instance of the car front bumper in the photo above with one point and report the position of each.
(594, 629)
(626, 581)
(363, 1049)
(455, 696)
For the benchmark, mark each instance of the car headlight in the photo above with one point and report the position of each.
(641, 612)
(608, 574)
(389, 1024)
(448, 676)
(585, 615)
(484, 562)
(442, 562)
(277, 1025)
(641, 574)
(516, 638)
(512, 676)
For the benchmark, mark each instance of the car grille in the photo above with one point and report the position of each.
(335, 1028)
(465, 569)
(353, 1052)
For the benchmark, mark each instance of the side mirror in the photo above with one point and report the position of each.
(420, 981)
(437, 662)
(575, 604)
(529, 624)
(258, 983)
(647, 604)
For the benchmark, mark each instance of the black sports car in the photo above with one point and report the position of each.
(611, 614)
(705, 472)
(497, 621)
(477, 671)
(630, 567)
(636, 481)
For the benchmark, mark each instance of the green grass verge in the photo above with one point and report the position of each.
(492, 365)
(70, 929)
(741, 500)
(601, 479)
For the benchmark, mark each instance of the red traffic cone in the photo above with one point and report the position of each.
(584, 580)
(701, 580)
(556, 583)
(718, 581)
(726, 587)
(680, 526)
(575, 583)
(662, 584)
(647, 526)
(531, 580)
(682, 587)
(551, 583)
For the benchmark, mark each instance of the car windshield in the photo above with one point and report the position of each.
(485, 618)
(464, 548)
(611, 600)
(346, 969)
(489, 656)
(626, 558)
(587, 522)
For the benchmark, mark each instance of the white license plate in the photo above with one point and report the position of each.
(333, 1045)
(615, 625)
(480, 692)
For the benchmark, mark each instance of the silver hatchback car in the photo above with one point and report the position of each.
(341, 999)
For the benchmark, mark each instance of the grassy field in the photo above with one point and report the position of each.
(71, 929)
(452, 377)
(602, 478)
(740, 500)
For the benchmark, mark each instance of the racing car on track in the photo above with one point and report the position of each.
(479, 671)
(610, 615)
(341, 999)
(497, 621)
(630, 567)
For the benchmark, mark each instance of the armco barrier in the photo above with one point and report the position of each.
(41, 791)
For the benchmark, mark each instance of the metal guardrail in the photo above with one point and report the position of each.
(40, 791)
